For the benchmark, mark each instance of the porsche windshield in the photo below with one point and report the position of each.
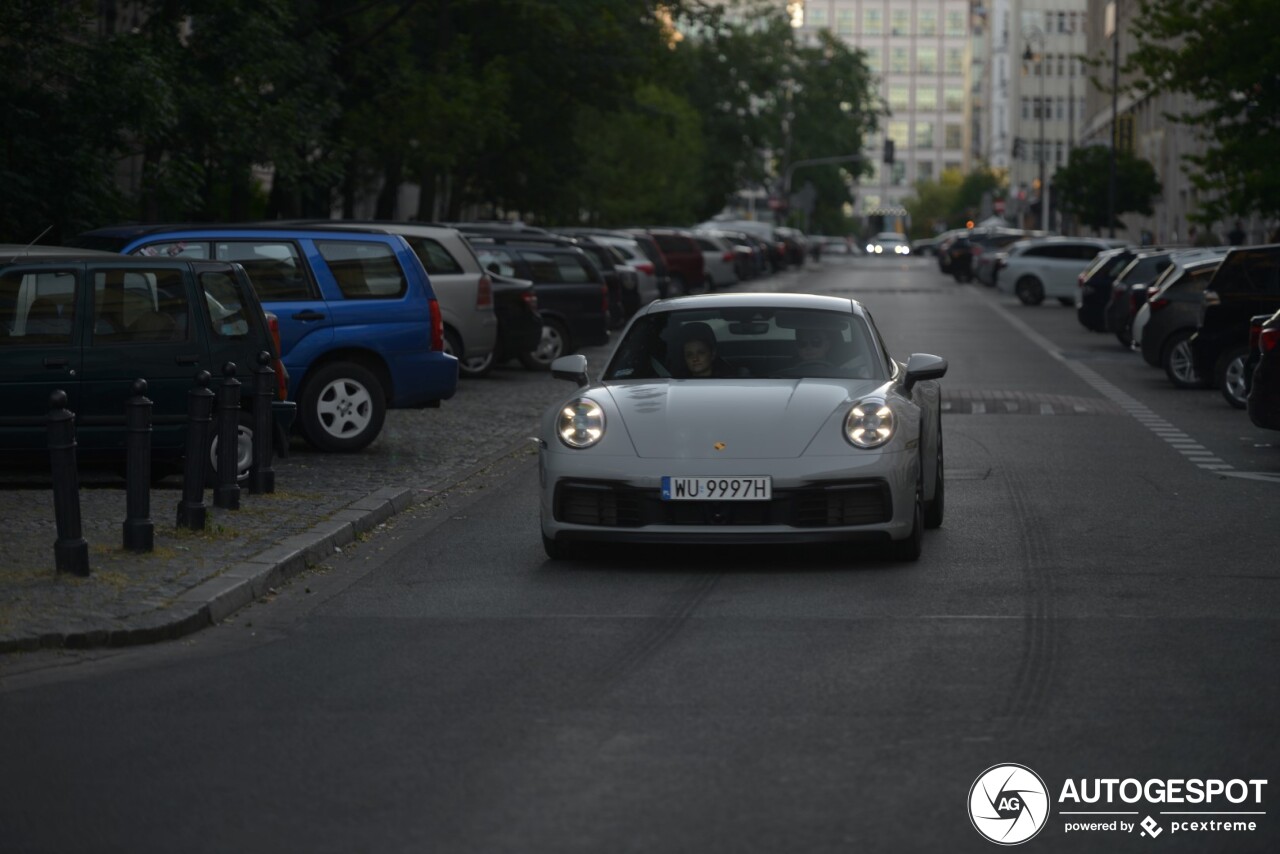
(747, 343)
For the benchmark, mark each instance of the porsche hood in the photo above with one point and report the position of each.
(735, 419)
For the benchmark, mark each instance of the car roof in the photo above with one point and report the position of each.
(756, 300)
(18, 252)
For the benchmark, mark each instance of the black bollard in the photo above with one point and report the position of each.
(262, 479)
(139, 532)
(227, 493)
(191, 509)
(70, 551)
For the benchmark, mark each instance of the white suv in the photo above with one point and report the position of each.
(1048, 267)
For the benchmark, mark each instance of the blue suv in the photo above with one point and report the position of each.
(360, 326)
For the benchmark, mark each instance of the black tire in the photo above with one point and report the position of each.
(1175, 358)
(244, 451)
(1125, 337)
(1029, 290)
(908, 549)
(341, 408)
(1067, 301)
(554, 344)
(1231, 377)
(472, 368)
(934, 510)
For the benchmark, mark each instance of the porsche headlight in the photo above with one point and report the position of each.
(580, 423)
(869, 424)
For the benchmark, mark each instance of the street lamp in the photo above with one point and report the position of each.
(1037, 35)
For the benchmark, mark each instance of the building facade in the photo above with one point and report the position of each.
(920, 52)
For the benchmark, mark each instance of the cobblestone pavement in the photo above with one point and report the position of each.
(321, 502)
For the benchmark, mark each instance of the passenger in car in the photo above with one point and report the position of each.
(698, 350)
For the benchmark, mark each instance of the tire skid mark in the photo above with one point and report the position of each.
(1028, 696)
(660, 629)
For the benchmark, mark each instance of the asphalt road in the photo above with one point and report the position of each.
(1101, 602)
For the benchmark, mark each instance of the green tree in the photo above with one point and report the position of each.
(1081, 187)
(1224, 55)
(933, 202)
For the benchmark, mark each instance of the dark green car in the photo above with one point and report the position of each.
(91, 323)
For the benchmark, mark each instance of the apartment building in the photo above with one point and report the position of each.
(920, 51)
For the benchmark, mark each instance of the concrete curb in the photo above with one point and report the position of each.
(216, 598)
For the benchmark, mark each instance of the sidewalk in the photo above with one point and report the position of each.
(191, 580)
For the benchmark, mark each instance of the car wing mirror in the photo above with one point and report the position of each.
(923, 366)
(574, 368)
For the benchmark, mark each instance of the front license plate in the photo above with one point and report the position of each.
(717, 488)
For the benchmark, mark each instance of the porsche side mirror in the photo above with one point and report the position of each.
(574, 368)
(921, 366)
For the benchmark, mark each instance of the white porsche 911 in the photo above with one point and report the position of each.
(745, 418)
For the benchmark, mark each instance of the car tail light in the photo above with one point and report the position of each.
(1269, 339)
(1157, 304)
(282, 373)
(647, 269)
(730, 257)
(484, 293)
(1255, 334)
(530, 299)
(977, 251)
(437, 326)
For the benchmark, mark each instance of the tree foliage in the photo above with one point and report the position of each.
(952, 200)
(609, 111)
(1081, 188)
(1225, 55)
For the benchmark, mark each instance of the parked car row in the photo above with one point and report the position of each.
(358, 316)
(1206, 316)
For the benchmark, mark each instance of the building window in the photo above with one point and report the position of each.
(952, 136)
(1026, 107)
(899, 97)
(899, 173)
(816, 17)
(900, 22)
(898, 133)
(926, 60)
(899, 60)
(1062, 22)
(1062, 65)
(924, 135)
(844, 22)
(1058, 150)
(1061, 107)
(872, 22)
(955, 23)
(953, 98)
(927, 97)
(924, 170)
(951, 166)
(875, 60)
(955, 60)
(927, 22)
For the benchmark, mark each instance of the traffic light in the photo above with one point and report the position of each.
(888, 151)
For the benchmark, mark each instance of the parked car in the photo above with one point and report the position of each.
(572, 296)
(781, 447)
(464, 290)
(92, 323)
(1247, 283)
(796, 242)
(968, 250)
(750, 255)
(889, 243)
(1129, 291)
(719, 260)
(683, 258)
(1264, 393)
(1094, 285)
(774, 243)
(645, 273)
(360, 325)
(1049, 267)
(520, 323)
(1173, 313)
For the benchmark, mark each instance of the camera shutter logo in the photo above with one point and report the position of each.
(1008, 804)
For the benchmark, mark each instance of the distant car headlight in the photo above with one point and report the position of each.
(580, 423)
(871, 247)
(869, 424)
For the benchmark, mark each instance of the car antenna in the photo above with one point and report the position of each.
(27, 248)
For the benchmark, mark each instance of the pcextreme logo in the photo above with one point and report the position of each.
(1009, 804)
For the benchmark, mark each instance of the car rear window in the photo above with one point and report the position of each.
(438, 260)
(232, 313)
